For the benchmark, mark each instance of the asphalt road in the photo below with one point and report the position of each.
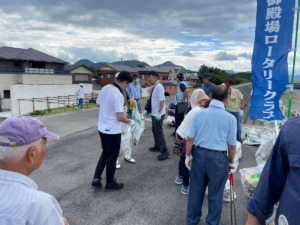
(150, 195)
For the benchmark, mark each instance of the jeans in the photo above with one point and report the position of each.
(239, 126)
(111, 148)
(138, 103)
(208, 169)
(80, 103)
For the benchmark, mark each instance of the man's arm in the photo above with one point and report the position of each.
(231, 153)
(189, 145)
(161, 105)
(242, 103)
(122, 118)
(186, 92)
(252, 220)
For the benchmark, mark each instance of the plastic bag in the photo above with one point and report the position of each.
(139, 126)
(252, 136)
(250, 178)
(239, 149)
(126, 135)
(226, 193)
(267, 141)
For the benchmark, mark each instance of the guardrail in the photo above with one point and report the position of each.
(34, 71)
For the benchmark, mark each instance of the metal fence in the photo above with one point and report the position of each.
(48, 103)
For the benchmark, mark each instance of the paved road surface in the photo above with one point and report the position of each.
(150, 195)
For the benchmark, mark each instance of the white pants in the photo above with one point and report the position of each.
(170, 120)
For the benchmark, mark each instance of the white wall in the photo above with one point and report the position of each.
(23, 91)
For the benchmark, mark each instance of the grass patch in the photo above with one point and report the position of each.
(68, 108)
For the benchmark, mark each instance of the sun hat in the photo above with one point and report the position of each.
(23, 130)
(206, 75)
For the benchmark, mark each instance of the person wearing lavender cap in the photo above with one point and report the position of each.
(22, 150)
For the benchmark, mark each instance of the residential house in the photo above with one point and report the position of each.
(163, 75)
(191, 79)
(80, 73)
(173, 71)
(29, 66)
(107, 71)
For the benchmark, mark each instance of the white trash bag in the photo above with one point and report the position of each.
(139, 125)
(250, 178)
(252, 136)
(126, 135)
(239, 150)
(267, 141)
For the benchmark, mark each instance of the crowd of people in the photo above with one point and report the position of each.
(206, 131)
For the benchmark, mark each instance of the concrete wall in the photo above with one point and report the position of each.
(46, 79)
(5, 81)
(29, 92)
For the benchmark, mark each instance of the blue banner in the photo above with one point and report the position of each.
(273, 42)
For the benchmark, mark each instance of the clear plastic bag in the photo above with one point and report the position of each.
(126, 135)
(139, 126)
(250, 178)
(267, 141)
(252, 136)
(239, 149)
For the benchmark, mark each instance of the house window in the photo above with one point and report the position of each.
(110, 75)
(100, 76)
(6, 93)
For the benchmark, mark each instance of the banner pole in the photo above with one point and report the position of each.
(294, 62)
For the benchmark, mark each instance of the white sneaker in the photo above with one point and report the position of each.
(81, 109)
(118, 165)
(76, 108)
(129, 159)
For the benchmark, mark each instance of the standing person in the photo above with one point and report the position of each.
(181, 96)
(80, 94)
(234, 106)
(279, 180)
(207, 85)
(213, 132)
(111, 102)
(134, 91)
(198, 99)
(158, 112)
(22, 150)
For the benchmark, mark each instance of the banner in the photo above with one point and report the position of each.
(273, 42)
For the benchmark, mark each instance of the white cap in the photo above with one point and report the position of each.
(80, 85)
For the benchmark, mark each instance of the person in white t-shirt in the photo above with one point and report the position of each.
(80, 94)
(111, 102)
(158, 112)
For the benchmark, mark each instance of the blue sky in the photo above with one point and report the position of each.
(217, 33)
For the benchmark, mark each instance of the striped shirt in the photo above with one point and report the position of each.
(134, 91)
(21, 202)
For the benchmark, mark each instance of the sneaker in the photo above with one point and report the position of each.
(129, 159)
(118, 165)
(76, 108)
(154, 149)
(113, 186)
(163, 156)
(81, 109)
(179, 180)
(185, 190)
(96, 183)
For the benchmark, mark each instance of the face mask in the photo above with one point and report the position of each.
(137, 80)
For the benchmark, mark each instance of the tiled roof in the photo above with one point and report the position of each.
(120, 68)
(151, 68)
(74, 66)
(29, 54)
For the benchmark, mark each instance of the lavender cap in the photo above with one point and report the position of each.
(23, 130)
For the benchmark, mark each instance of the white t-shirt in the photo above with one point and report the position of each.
(80, 92)
(158, 95)
(185, 125)
(111, 101)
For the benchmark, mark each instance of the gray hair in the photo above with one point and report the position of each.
(16, 153)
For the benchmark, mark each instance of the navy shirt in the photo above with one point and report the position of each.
(280, 179)
(171, 106)
(207, 88)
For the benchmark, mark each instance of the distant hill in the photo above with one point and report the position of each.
(131, 63)
(230, 71)
(168, 63)
(88, 63)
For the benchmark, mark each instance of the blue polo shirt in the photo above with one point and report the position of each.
(207, 88)
(280, 179)
(213, 128)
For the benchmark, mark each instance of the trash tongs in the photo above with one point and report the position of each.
(232, 202)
